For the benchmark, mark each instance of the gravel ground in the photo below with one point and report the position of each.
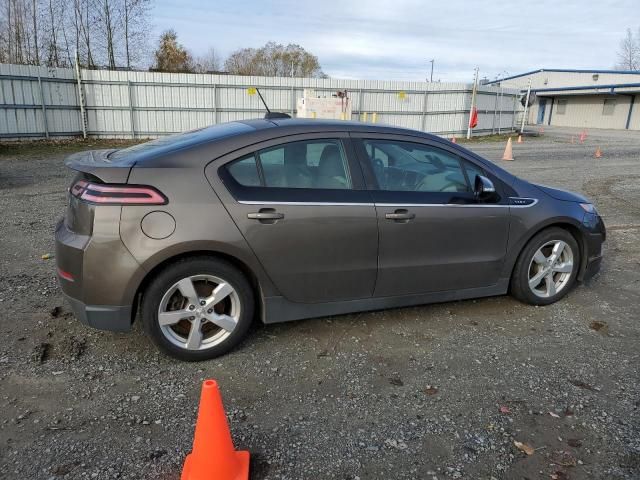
(438, 391)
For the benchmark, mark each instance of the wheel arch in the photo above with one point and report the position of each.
(568, 224)
(257, 285)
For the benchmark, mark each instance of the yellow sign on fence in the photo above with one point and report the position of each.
(251, 91)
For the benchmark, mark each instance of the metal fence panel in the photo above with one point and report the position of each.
(39, 102)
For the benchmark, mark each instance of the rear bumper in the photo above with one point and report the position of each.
(97, 275)
(102, 317)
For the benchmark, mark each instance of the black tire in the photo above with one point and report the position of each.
(179, 270)
(520, 278)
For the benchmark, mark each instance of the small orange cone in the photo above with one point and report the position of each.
(213, 456)
(598, 153)
(453, 140)
(519, 139)
(583, 136)
(508, 151)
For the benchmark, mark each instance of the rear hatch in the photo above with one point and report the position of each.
(98, 164)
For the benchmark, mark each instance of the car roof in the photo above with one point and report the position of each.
(232, 135)
(298, 125)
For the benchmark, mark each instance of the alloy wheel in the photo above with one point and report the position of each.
(550, 269)
(199, 312)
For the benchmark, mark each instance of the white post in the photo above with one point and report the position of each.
(473, 99)
(500, 112)
(81, 99)
(526, 107)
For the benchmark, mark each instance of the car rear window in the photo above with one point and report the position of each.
(179, 141)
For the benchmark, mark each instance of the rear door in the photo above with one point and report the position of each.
(434, 236)
(301, 204)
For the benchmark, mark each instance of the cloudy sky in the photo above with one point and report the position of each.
(395, 39)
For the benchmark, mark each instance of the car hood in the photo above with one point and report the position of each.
(564, 195)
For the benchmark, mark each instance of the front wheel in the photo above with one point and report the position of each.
(547, 267)
(198, 308)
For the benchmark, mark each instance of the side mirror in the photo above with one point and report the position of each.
(483, 189)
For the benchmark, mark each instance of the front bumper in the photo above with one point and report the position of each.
(594, 238)
(592, 267)
(102, 317)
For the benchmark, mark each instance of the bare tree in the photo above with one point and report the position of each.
(135, 20)
(102, 32)
(83, 25)
(209, 62)
(274, 59)
(108, 24)
(629, 52)
(242, 62)
(34, 19)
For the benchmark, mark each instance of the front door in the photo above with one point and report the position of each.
(302, 208)
(542, 106)
(434, 236)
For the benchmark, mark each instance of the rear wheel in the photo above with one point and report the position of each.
(198, 308)
(547, 267)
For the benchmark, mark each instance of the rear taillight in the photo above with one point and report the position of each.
(109, 194)
(66, 275)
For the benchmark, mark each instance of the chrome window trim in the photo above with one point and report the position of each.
(335, 204)
(394, 205)
(456, 205)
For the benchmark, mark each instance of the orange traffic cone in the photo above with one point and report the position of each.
(213, 456)
(453, 140)
(583, 136)
(508, 151)
(598, 153)
(519, 139)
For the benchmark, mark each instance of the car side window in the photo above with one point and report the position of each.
(245, 171)
(472, 172)
(415, 167)
(312, 164)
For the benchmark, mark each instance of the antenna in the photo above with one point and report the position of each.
(269, 113)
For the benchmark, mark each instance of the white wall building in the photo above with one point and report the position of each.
(581, 98)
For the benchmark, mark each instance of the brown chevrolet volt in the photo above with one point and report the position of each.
(279, 219)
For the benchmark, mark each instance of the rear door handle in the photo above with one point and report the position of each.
(400, 215)
(266, 215)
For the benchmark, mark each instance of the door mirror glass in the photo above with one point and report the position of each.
(484, 190)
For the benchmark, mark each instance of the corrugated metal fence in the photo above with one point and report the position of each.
(45, 102)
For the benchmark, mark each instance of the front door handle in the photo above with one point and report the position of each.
(266, 215)
(400, 215)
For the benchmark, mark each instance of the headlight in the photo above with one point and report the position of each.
(588, 207)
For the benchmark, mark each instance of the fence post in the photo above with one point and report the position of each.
(500, 113)
(495, 112)
(131, 115)
(359, 114)
(83, 116)
(513, 116)
(424, 112)
(44, 108)
(293, 99)
(215, 104)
